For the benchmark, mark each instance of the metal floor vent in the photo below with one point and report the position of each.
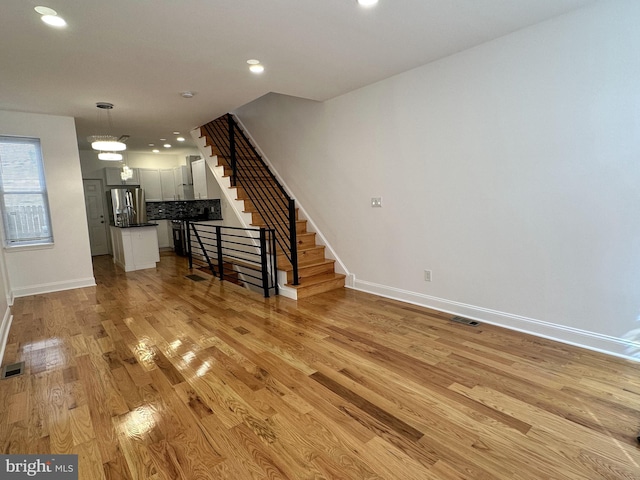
(196, 278)
(12, 370)
(465, 321)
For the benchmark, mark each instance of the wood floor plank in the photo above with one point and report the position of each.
(335, 449)
(57, 412)
(152, 376)
(576, 437)
(365, 405)
(100, 415)
(134, 432)
(89, 464)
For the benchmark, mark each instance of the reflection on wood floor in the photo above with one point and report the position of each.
(151, 375)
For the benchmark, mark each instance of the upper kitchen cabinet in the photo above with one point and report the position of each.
(112, 177)
(204, 183)
(158, 184)
(182, 175)
(176, 183)
(168, 184)
(199, 179)
(183, 183)
(150, 183)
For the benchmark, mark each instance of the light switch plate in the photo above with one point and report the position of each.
(376, 201)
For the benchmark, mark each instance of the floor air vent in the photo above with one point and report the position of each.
(12, 370)
(196, 278)
(465, 321)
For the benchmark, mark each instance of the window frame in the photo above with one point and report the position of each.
(26, 243)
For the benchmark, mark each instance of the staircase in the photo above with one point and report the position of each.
(265, 200)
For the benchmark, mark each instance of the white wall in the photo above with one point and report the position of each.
(67, 264)
(510, 170)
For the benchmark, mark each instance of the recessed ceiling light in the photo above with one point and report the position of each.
(167, 145)
(152, 144)
(45, 11)
(155, 150)
(256, 68)
(187, 94)
(54, 21)
(163, 139)
(176, 133)
(367, 3)
(180, 139)
(253, 62)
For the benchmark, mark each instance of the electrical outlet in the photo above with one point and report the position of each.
(376, 201)
(427, 275)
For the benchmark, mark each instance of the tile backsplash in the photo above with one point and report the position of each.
(184, 210)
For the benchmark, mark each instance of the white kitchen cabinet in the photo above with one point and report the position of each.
(135, 248)
(150, 183)
(204, 183)
(168, 184)
(199, 179)
(112, 176)
(180, 176)
(165, 184)
(183, 183)
(165, 239)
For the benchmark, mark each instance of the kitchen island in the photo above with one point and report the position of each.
(135, 247)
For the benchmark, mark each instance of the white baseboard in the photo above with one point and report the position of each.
(53, 287)
(618, 347)
(4, 331)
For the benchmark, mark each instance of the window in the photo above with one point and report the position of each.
(23, 193)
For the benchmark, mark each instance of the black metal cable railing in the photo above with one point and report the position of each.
(243, 256)
(248, 171)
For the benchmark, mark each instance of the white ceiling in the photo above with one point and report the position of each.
(140, 54)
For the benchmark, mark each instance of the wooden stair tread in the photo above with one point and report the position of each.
(302, 252)
(316, 279)
(298, 222)
(311, 263)
(251, 207)
(318, 284)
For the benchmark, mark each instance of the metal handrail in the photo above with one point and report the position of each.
(245, 256)
(249, 171)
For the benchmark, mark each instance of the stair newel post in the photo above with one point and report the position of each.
(219, 247)
(189, 244)
(274, 259)
(263, 261)
(232, 149)
(293, 240)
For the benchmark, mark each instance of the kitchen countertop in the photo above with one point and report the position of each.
(182, 200)
(136, 225)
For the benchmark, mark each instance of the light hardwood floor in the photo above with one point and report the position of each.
(151, 375)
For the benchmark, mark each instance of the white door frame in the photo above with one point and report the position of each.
(105, 216)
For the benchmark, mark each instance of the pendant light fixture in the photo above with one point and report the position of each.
(126, 173)
(110, 156)
(107, 144)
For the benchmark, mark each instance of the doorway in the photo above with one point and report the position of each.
(94, 201)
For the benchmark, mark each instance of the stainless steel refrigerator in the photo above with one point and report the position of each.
(127, 207)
